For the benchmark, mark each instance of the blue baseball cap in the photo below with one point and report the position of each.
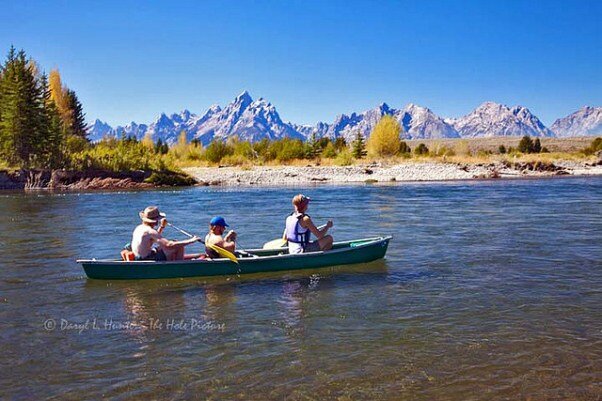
(219, 221)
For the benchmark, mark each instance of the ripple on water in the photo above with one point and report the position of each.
(489, 290)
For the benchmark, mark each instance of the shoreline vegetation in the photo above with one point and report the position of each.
(44, 145)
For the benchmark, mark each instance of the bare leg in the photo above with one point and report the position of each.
(179, 254)
(326, 242)
(174, 252)
(190, 256)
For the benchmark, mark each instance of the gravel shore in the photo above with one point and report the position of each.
(411, 171)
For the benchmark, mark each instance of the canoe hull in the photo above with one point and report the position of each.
(344, 253)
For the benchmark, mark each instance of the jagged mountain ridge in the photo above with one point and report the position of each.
(254, 120)
(494, 119)
(585, 121)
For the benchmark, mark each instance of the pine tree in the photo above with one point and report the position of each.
(525, 145)
(158, 145)
(21, 119)
(537, 146)
(340, 143)
(313, 148)
(77, 122)
(359, 146)
(51, 135)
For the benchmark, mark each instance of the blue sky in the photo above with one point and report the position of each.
(313, 60)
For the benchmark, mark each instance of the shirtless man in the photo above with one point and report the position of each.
(217, 226)
(145, 236)
(299, 228)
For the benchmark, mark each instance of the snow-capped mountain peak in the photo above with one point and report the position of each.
(585, 121)
(257, 119)
(494, 119)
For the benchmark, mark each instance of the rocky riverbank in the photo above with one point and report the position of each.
(89, 180)
(377, 172)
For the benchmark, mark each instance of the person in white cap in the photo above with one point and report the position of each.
(149, 244)
(299, 228)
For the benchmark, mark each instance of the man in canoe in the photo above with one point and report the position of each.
(299, 228)
(217, 227)
(145, 237)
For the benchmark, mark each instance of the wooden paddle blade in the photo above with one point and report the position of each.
(224, 253)
(275, 244)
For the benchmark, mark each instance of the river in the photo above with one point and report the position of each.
(490, 290)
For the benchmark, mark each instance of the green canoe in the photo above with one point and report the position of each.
(259, 260)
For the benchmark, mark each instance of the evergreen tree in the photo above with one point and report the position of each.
(159, 146)
(537, 146)
(21, 119)
(358, 146)
(313, 147)
(50, 128)
(525, 145)
(340, 143)
(404, 149)
(77, 122)
(421, 149)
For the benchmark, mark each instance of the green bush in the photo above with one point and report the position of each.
(421, 150)
(244, 150)
(286, 150)
(76, 144)
(329, 151)
(344, 158)
(501, 149)
(126, 154)
(444, 151)
(594, 147)
(217, 150)
(404, 148)
(170, 179)
(525, 145)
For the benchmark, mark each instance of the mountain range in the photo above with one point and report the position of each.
(253, 120)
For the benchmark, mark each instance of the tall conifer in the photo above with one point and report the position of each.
(77, 123)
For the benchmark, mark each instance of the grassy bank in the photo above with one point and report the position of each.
(462, 151)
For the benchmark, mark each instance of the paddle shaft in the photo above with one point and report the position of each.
(184, 232)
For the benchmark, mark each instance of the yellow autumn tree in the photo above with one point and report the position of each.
(148, 142)
(58, 93)
(180, 148)
(384, 139)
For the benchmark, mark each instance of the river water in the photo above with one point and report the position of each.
(490, 290)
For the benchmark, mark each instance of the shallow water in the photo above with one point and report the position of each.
(490, 290)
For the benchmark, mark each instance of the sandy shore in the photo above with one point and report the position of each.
(411, 171)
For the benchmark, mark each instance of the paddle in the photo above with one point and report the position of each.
(281, 242)
(221, 251)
